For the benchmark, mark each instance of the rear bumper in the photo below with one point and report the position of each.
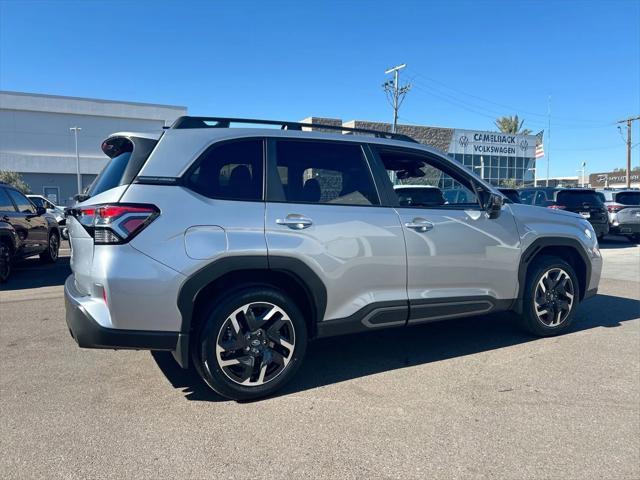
(626, 228)
(89, 334)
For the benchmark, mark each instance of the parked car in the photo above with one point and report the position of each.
(55, 210)
(511, 193)
(583, 201)
(233, 247)
(624, 212)
(25, 230)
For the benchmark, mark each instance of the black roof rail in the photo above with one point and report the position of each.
(224, 122)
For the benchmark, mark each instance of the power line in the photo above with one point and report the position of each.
(502, 105)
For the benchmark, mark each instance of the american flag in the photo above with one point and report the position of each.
(539, 144)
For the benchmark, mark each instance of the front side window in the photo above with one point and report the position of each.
(421, 182)
(6, 205)
(230, 171)
(323, 172)
(22, 202)
(39, 202)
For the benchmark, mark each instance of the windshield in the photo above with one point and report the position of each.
(578, 198)
(628, 198)
(111, 175)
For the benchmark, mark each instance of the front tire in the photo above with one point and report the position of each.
(251, 343)
(50, 255)
(551, 296)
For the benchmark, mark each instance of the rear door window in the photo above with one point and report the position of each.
(628, 198)
(323, 172)
(6, 205)
(578, 198)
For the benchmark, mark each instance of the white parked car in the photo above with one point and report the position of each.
(55, 210)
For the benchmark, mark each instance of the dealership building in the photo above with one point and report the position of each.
(36, 140)
(496, 157)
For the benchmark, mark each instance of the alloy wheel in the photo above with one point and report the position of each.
(255, 343)
(554, 297)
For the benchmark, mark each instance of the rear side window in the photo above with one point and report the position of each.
(6, 205)
(230, 171)
(323, 172)
(628, 198)
(577, 198)
(22, 202)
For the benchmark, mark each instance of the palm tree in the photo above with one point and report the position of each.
(511, 125)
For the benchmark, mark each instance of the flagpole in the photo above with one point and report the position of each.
(548, 152)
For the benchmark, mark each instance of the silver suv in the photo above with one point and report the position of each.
(233, 247)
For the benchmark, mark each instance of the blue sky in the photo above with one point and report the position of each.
(468, 61)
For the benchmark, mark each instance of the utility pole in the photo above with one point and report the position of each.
(75, 131)
(396, 92)
(629, 121)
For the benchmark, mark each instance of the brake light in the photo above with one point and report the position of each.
(115, 224)
(614, 207)
(557, 207)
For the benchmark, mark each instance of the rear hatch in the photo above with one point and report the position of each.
(584, 202)
(128, 153)
(627, 207)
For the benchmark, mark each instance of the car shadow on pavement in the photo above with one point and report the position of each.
(613, 242)
(32, 273)
(334, 360)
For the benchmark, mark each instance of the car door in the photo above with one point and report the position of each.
(324, 210)
(459, 261)
(34, 227)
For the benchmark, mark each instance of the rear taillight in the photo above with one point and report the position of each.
(115, 224)
(557, 207)
(614, 207)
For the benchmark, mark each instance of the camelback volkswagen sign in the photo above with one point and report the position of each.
(474, 142)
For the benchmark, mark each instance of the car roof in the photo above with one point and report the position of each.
(414, 186)
(177, 148)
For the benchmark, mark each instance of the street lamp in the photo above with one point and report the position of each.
(481, 167)
(75, 131)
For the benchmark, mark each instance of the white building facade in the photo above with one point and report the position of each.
(36, 141)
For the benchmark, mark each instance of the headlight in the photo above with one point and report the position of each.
(588, 233)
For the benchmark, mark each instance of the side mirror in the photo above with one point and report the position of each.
(41, 210)
(80, 197)
(493, 207)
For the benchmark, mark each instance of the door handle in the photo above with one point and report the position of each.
(295, 221)
(419, 225)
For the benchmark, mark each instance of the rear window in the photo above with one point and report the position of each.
(127, 157)
(628, 198)
(578, 198)
(111, 174)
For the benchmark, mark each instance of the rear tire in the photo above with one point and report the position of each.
(5, 262)
(551, 296)
(50, 255)
(251, 343)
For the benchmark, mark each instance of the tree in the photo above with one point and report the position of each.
(509, 183)
(511, 125)
(14, 179)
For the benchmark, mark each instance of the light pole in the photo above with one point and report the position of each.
(584, 165)
(75, 131)
(481, 167)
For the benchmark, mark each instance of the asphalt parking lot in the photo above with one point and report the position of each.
(472, 398)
